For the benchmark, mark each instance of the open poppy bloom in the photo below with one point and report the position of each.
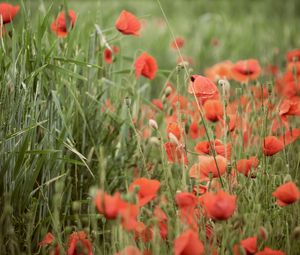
(246, 70)
(147, 189)
(8, 12)
(286, 194)
(245, 165)
(108, 54)
(293, 55)
(79, 244)
(174, 128)
(272, 145)
(146, 66)
(269, 251)
(59, 26)
(213, 110)
(49, 240)
(108, 205)
(188, 243)
(221, 70)
(128, 24)
(203, 88)
(185, 200)
(175, 153)
(220, 205)
(249, 245)
(207, 166)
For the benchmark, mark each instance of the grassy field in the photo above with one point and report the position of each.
(71, 124)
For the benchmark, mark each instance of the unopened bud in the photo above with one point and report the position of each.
(296, 233)
(173, 138)
(168, 91)
(153, 124)
(154, 140)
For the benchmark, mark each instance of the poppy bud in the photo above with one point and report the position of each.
(296, 232)
(153, 124)
(154, 140)
(168, 91)
(76, 206)
(173, 139)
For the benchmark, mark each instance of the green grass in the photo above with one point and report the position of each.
(58, 142)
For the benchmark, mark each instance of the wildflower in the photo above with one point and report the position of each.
(128, 24)
(147, 189)
(107, 205)
(108, 54)
(268, 251)
(188, 243)
(174, 128)
(8, 12)
(286, 194)
(177, 43)
(79, 238)
(203, 88)
(59, 26)
(175, 153)
(272, 145)
(207, 166)
(146, 66)
(249, 245)
(293, 55)
(246, 70)
(245, 165)
(219, 206)
(213, 110)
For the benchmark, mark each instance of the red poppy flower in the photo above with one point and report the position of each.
(249, 245)
(219, 206)
(158, 103)
(246, 70)
(186, 200)
(146, 66)
(194, 131)
(174, 128)
(108, 205)
(147, 189)
(272, 145)
(177, 43)
(202, 147)
(221, 70)
(213, 110)
(128, 213)
(188, 243)
(8, 12)
(207, 166)
(293, 55)
(268, 251)
(79, 238)
(162, 219)
(286, 194)
(245, 165)
(59, 26)
(175, 153)
(203, 87)
(128, 24)
(290, 107)
(48, 240)
(129, 250)
(108, 54)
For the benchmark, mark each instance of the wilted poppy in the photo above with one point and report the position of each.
(269, 251)
(79, 244)
(128, 24)
(272, 145)
(246, 70)
(146, 66)
(108, 205)
(188, 243)
(286, 194)
(203, 88)
(59, 26)
(207, 166)
(147, 189)
(109, 54)
(8, 12)
(220, 205)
